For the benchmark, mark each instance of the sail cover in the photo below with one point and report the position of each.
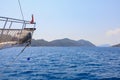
(15, 32)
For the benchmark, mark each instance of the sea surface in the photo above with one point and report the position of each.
(60, 63)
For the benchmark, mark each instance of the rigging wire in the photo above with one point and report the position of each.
(21, 9)
(10, 63)
(28, 43)
(21, 52)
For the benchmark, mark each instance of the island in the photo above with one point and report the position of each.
(62, 43)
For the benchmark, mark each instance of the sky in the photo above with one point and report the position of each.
(97, 21)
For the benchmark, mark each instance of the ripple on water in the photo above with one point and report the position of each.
(62, 63)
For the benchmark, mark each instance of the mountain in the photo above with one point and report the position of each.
(85, 43)
(62, 42)
(40, 42)
(117, 45)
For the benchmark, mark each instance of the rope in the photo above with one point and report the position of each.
(19, 54)
(10, 63)
(21, 9)
(21, 51)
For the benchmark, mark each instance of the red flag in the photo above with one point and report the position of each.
(32, 21)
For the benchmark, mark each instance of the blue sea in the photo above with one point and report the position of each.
(60, 63)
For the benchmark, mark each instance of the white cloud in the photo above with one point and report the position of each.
(113, 32)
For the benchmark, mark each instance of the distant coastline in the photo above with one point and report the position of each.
(66, 42)
(62, 42)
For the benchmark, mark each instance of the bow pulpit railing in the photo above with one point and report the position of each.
(15, 31)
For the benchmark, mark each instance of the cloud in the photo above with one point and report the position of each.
(113, 32)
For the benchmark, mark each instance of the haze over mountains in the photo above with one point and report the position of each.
(62, 42)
